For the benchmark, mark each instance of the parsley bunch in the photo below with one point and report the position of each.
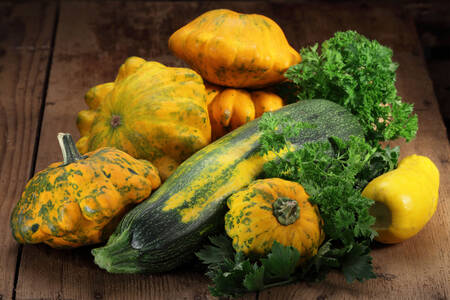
(333, 174)
(360, 75)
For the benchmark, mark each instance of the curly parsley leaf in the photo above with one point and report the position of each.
(359, 74)
(273, 137)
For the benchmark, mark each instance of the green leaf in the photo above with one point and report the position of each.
(228, 276)
(254, 280)
(357, 264)
(281, 262)
(219, 250)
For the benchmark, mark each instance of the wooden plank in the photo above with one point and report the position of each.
(26, 31)
(418, 268)
(94, 38)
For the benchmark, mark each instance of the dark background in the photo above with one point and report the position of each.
(432, 20)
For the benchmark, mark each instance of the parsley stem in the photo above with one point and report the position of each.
(271, 285)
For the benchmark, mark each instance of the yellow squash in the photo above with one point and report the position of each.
(271, 210)
(79, 202)
(235, 50)
(405, 199)
(151, 112)
(231, 108)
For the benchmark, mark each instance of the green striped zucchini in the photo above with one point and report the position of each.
(163, 232)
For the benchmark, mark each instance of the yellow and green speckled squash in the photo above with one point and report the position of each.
(270, 210)
(151, 112)
(235, 50)
(79, 202)
(231, 108)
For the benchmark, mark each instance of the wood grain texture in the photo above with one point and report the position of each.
(93, 39)
(25, 38)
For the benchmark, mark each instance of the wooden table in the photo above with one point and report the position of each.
(51, 53)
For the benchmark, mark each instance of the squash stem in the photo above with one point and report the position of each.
(286, 210)
(68, 148)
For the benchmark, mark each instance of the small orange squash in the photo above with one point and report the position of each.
(231, 108)
(235, 50)
(265, 101)
(271, 210)
(80, 201)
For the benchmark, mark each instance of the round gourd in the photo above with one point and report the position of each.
(235, 50)
(405, 199)
(79, 202)
(270, 210)
(231, 108)
(151, 111)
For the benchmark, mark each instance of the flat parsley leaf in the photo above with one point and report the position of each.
(357, 264)
(254, 281)
(280, 262)
(235, 276)
(220, 250)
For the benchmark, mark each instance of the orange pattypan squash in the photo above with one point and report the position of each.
(270, 210)
(235, 50)
(80, 201)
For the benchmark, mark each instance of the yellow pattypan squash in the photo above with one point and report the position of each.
(80, 201)
(151, 111)
(405, 199)
(271, 210)
(235, 50)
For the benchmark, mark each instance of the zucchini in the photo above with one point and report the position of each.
(163, 232)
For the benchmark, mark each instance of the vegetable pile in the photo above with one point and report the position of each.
(285, 193)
